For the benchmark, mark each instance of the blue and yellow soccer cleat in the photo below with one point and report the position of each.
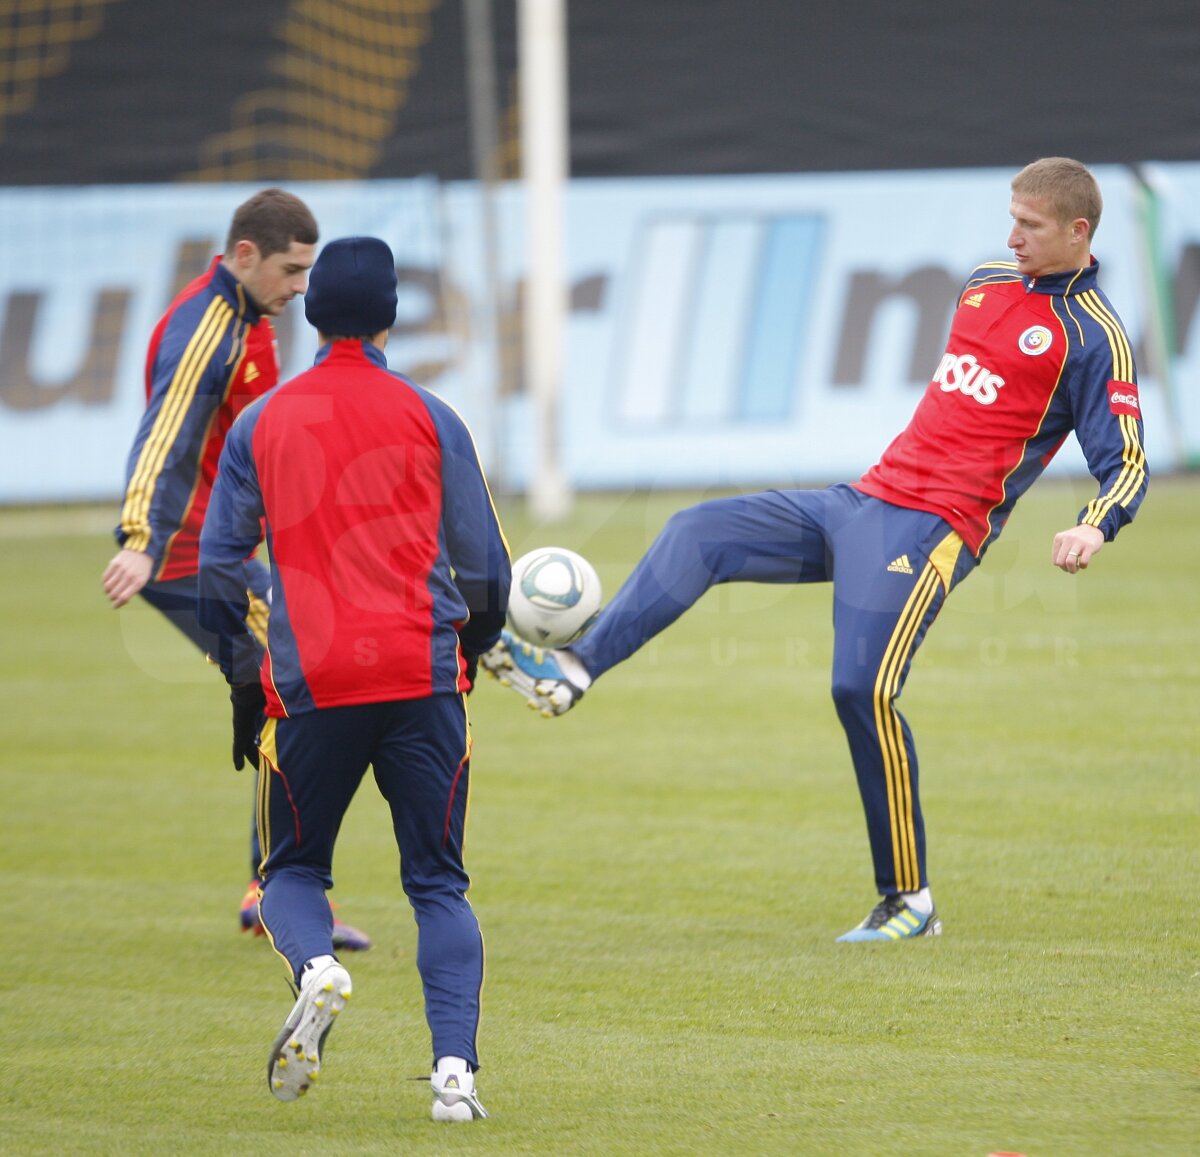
(893, 919)
(533, 673)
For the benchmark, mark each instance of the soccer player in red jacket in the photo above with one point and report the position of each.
(390, 576)
(1035, 351)
(210, 355)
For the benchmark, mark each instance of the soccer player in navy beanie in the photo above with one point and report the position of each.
(391, 576)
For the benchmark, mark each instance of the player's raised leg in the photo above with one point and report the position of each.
(770, 537)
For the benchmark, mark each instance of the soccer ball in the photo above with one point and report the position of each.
(555, 596)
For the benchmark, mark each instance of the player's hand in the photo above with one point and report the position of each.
(248, 702)
(125, 575)
(472, 670)
(1075, 548)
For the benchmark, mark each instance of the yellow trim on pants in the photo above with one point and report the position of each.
(901, 646)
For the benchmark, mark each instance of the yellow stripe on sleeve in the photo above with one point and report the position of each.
(135, 515)
(1133, 470)
(1129, 481)
(1118, 342)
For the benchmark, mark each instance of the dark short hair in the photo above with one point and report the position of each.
(272, 219)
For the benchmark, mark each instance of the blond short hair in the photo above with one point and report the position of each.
(1067, 185)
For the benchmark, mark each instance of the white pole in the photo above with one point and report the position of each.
(543, 99)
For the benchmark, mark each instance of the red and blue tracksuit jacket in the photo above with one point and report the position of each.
(1028, 360)
(388, 562)
(211, 354)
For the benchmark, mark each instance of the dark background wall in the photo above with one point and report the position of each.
(120, 91)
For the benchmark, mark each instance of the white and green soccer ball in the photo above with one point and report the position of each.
(554, 598)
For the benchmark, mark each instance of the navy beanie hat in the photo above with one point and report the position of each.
(352, 288)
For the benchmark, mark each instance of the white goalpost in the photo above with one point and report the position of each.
(542, 61)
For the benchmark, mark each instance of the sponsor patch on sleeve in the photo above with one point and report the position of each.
(1123, 399)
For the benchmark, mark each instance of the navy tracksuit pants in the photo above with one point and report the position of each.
(891, 569)
(419, 750)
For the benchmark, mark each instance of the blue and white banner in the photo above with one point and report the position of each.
(722, 331)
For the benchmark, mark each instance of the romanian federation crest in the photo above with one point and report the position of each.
(1035, 340)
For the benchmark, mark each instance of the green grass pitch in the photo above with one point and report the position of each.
(660, 877)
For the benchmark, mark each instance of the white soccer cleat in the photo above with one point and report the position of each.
(454, 1096)
(533, 673)
(295, 1061)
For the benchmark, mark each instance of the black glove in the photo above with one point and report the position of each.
(472, 670)
(248, 702)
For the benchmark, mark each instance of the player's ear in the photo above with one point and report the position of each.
(245, 253)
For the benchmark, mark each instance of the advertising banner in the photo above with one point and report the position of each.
(721, 331)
